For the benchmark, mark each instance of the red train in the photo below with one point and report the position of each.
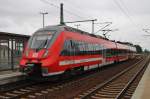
(58, 49)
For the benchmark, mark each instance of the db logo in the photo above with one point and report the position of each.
(35, 54)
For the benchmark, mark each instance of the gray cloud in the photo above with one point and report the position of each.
(22, 16)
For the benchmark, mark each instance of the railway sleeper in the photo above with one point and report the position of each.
(30, 88)
(18, 92)
(4, 97)
(115, 87)
(116, 83)
(104, 96)
(130, 89)
(25, 90)
(111, 88)
(95, 97)
(31, 96)
(128, 94)
(110, 91)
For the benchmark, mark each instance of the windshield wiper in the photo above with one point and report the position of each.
(42, 45)
(45, 43)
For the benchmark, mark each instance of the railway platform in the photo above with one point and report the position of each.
(143, 89)
(10, 76)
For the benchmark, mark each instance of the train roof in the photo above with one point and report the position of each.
(106, 42)
(67, 28)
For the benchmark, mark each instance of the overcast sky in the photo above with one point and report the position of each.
(128, 16)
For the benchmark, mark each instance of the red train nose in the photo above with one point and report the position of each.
(32, 54)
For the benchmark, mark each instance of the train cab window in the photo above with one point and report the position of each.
(41, 39)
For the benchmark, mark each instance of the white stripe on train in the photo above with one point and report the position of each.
(69, 62)
(85, 68)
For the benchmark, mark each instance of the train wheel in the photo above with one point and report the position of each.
(66, 75)
(78, 70)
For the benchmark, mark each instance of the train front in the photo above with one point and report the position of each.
(36, 58)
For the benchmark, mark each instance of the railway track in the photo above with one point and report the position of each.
(119, 86)
(49, 89)
(15, 85)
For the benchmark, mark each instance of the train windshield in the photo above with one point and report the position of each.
(40, 41)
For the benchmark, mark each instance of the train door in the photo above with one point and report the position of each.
(116, 53)
(68, 53)
(73, 51)
(103, 55)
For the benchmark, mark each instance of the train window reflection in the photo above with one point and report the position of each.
(40, 41)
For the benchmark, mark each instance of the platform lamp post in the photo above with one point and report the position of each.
(43, 15)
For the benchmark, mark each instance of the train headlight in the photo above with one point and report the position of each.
(46, 53)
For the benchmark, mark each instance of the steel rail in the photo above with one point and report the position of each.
(130, 82)
(93, 90)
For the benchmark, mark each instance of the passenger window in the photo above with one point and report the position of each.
(66, 51)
